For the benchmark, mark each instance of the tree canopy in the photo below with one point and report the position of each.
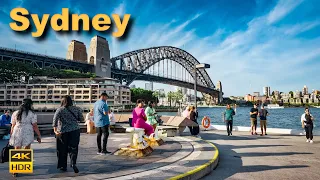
(14, 72)
(146, 95)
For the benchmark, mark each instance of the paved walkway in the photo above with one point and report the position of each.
(176, 157)
(88, 161)
(243, 156)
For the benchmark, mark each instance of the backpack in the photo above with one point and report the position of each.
(5, 153)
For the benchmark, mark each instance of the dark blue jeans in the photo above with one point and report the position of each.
(309, 128)
(229, 124)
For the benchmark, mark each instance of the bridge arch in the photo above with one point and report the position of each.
(139, 61)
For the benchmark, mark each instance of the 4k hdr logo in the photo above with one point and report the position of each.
(21, 161)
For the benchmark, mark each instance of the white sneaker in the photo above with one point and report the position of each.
(307, 140)
(311, 141)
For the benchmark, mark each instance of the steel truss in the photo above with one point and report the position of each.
(141, 60)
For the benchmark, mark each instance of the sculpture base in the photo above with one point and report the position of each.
(155, 143)
(132, 152)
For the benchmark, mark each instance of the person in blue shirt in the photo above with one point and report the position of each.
(101, 121)
(5, 121)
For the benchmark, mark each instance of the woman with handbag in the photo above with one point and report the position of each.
(67, 131)
(24, 123)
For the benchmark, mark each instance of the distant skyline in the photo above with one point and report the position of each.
(249, 44)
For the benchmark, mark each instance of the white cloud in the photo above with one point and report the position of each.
(283, 8)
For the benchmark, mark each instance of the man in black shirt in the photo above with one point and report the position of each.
(253, 119)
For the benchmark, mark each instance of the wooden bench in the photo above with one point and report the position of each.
(173, 125)
(168, 131)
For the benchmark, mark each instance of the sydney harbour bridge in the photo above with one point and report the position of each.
(163, 64)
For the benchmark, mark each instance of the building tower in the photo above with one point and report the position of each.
(266, 91)
(77, 51)
(219, 88)
(99, 55)
(305, 90)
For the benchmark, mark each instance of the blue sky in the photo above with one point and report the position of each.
(249, 43)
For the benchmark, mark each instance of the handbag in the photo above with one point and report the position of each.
(5, 153)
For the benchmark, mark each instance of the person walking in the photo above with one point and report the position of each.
(24, 123)
(263, 113)
(139, 118)
(151, 115)
(101, 121)
(67, 132)
(5, 123)
(253, 119)
(307, 123)
(228, 118)
(90, 122)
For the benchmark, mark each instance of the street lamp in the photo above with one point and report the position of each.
(198, 66)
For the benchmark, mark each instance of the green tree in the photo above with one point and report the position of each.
(170, 96)
(17, 71)
(139, 93)
(178, 96)
(291, 94)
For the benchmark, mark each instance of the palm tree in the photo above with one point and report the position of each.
(170, 96)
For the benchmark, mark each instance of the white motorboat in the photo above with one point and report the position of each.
(274, 106)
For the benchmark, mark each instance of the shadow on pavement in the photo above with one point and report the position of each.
(231, 162)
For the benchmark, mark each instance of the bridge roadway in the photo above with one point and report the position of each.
(243, 156)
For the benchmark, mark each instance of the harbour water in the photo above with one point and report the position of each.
(287, 118)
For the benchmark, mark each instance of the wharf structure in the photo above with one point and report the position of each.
(47, 93)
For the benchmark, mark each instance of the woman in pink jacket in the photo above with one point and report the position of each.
(139, 118)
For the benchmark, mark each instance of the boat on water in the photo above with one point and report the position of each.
(274, 106)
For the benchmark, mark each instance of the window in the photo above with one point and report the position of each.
(85, 92)
(64, 92)
(1, 97)
(21, 97)
(56, 92)
(35, 92)
(21, 92)
(1, 92)
(14, 92)
(42, 97)
(34, 97)
(85, 97)
(78, 97)
(78, 92)
(42, 92)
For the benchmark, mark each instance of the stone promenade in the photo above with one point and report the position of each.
(243, 156)
(176, 157)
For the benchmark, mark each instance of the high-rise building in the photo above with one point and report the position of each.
(149, 86)
(305, 90)
(184, 91)
(219, 88)
(266, 91)
(77, 51)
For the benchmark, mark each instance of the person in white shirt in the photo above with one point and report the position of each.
(112, 119)
(89, 122)
(307, 123)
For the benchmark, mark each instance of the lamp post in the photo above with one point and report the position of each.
(198, 66)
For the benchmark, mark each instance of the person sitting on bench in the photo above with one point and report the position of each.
(5, 121)
(139, 118)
